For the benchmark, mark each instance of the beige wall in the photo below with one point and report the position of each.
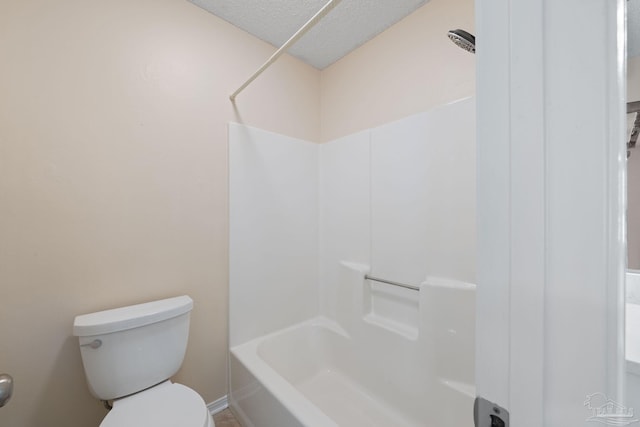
(113, 165)
(409, 68)
(633, 171)
(113, 180)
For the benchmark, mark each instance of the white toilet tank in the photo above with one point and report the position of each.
(129, 349)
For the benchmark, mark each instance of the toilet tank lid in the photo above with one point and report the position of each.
(133, 316)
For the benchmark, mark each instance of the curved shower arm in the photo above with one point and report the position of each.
(294, 38)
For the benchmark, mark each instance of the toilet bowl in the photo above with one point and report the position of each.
(165, 405)
(129, 355)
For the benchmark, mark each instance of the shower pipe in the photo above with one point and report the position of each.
(294, 38)
(390, 282)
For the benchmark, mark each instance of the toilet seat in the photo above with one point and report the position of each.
(165, 405)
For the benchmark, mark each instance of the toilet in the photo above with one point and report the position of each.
(129, 355)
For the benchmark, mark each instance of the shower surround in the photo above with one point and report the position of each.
(312, 342)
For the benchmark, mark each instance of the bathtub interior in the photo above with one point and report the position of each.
(329, 370)
(363, 373)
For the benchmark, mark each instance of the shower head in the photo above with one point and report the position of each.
(463, 39)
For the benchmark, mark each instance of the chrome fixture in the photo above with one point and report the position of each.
(93, 344)
(463, 39)
(390, 282)
(6, 388)
(633, 107)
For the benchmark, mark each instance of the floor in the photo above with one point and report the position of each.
(226, 419)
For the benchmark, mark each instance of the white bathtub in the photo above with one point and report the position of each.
(367, 368)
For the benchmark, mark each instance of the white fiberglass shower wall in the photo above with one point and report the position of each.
(308, 221)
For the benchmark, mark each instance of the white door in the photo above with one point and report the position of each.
(551, 204)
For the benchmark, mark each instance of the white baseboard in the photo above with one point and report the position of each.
(218, 405)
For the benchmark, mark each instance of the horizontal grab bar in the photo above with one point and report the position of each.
(390, 282)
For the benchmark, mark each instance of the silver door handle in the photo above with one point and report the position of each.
(6, 388)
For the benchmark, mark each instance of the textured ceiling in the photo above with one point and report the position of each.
(350, 24)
